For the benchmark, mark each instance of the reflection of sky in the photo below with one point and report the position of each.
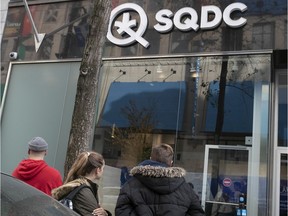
(162, 98)
(282, 96)
(282, 112)
(265, 6)
(238, 107)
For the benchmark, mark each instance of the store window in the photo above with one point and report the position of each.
(280, 177)
(263, 36)
(197, 105)
(285, 34)
(282, 111)
(51, 14)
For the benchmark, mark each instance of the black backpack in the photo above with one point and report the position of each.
(67, 200)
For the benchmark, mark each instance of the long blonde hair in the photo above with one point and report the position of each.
(84, 164)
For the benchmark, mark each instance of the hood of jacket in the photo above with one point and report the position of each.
(29, 168)
(159, 177)
(62, 191)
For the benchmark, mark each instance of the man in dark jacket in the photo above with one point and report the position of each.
(157, 188)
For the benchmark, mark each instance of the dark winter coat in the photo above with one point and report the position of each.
(156, 189)
(85, 201)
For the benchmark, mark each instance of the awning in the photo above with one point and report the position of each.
(166, 99)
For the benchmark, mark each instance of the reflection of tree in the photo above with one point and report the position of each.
(232, 75)
(76, 33)
(136, 139)
(221, 100)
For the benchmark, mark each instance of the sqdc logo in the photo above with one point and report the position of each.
(167, 19)
(126, 25)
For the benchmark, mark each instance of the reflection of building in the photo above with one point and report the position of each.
(218, 96)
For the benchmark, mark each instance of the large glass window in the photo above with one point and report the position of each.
(188, 103)
(280, 177)
(282, 110)
(283, 201)
(263, 36)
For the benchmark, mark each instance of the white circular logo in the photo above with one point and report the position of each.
(126, 25)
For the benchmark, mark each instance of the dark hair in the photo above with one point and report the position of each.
(84, 164)
(162, 153)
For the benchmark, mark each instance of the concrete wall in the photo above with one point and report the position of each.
(4, 9)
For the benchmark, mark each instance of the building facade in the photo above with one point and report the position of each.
(208, 78)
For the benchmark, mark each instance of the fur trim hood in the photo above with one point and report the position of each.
(158, 172)
(63, 190)
(161, 179)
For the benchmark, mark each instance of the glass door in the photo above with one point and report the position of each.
(225, 179)
(282, 183)
(280, 178)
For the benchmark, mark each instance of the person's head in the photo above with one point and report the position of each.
(237, 186)
(37, 147)
(162, 153)
(87, 164)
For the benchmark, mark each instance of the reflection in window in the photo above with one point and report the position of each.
(137, 110)
(183, 110)
(154, 5)
(263, 35)
(51, 13)
(283, 186)
(282, 111)
(285, 33)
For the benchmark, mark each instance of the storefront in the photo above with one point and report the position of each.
(208, 78)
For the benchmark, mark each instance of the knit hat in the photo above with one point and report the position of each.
(38, 144)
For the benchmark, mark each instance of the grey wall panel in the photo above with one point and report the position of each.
(38, 101)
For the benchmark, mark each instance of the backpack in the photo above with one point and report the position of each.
(67, 200)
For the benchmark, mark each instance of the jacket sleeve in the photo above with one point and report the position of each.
(195, 208)
(124, 206)
(85, 202)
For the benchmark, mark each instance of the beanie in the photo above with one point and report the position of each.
(38, 144)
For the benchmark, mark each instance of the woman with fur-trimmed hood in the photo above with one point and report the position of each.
(157, 188)
(87, 168)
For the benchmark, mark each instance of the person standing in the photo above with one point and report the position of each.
(220, 208)
(35, 171)
(157, 188)
(87, 168)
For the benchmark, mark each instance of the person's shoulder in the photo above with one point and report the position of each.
(187, 186)
(53, 170)
(86, 190)
(133, 183)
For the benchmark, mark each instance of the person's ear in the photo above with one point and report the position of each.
(97, 170)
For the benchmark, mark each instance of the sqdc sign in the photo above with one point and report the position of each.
(166, 20)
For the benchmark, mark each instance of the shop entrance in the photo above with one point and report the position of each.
(280, 175)
(281, 181)
(225, 178)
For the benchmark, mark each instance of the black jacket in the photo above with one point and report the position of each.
(157, 190)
